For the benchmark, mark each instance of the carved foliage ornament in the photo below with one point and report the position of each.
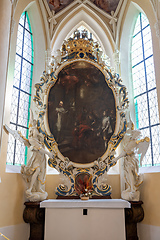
(73, 74)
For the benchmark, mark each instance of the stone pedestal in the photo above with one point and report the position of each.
(35, 215)
(133, 215)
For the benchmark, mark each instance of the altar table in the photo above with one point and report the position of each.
(92, 219)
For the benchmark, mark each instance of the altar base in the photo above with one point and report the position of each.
(92, 219)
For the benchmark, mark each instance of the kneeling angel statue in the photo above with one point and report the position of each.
(34, 172)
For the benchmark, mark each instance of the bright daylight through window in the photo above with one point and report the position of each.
(21, 93)
(145, 93)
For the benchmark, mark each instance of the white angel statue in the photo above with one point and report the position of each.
(35, 171)
(133, 145)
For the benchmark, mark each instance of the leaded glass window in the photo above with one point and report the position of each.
(144, 85)
(21, 93)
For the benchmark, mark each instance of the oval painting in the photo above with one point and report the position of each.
(81, 112)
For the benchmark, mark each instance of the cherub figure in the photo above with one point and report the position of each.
(35, 171)
(133, 145)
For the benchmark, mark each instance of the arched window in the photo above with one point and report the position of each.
(21, 93)
(144, 85)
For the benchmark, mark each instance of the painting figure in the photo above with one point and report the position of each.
(84, 130)
(106, 128)
(60, 111)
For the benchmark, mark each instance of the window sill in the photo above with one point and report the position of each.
(52, 171)
(149, 169)
(17, 169)
(13, 169)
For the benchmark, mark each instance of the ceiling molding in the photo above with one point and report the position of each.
(46, 24)
(54, 21)
(119, 23)
(91, 13)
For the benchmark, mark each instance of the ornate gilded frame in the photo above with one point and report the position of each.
(81, 48)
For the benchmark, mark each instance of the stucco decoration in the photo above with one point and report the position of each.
(77, 52)
(34, 172)
(133, 145)
(113, 22)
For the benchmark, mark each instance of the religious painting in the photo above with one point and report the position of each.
(81, 112)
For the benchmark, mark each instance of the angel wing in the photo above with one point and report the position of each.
(17, 135)
(143, 147)
(32, 121)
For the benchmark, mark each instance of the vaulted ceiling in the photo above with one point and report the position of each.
(106, 5)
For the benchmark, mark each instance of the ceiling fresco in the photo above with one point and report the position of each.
(58, 5)
(106, 5)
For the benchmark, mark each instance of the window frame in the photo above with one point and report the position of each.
(36, 22)
(22, 59)
(147, 91)
(125, 66)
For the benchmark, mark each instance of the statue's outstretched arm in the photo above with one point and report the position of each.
(17, 135)
(123, 154)
(43, 151)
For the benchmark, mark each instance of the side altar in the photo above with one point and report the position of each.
(82, 118)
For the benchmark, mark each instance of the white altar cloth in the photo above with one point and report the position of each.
(77, 219)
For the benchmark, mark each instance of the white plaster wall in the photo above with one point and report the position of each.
(148, 232)
(5, 13)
